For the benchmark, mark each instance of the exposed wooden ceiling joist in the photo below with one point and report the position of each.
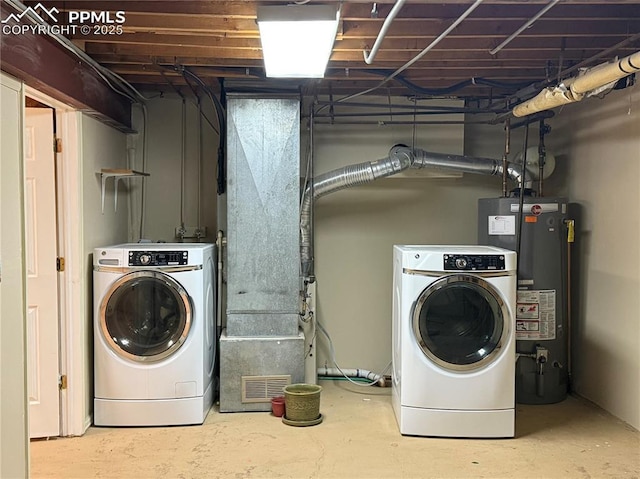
(219, 40)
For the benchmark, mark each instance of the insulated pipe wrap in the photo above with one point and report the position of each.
(575, 89)
(607, 73)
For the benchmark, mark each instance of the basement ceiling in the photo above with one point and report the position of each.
(218, 41)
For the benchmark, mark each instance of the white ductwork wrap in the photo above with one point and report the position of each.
(575, 89)
(400, 158)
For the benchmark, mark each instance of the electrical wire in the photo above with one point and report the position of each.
(452, 88)
(220, 113)
(420, 55)
(124, 87)
(195, 94)
(333, 359)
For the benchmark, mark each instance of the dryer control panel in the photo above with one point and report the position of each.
(158, 258)
(473, 262)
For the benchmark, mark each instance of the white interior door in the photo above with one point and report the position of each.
(42, 284)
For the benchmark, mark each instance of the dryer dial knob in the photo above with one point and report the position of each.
(145, 259)
(461, 263)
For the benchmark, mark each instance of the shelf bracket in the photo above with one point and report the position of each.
(117, 175)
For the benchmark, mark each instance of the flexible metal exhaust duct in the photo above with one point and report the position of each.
(575, 89)
(400, 158)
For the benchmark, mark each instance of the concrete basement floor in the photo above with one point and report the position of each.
(358, 438)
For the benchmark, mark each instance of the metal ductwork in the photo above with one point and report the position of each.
(575, 89)
(464, 164)
(261, 345)
(400, 158)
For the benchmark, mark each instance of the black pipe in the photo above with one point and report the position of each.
(521, 199)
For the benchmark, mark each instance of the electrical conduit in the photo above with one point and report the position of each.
(368, 58)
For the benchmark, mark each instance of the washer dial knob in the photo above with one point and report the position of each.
(461, 263)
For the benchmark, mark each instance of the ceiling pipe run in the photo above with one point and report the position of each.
(524, 27)
(400, 158)
(369, 57)
(576, 88)
(419, 55)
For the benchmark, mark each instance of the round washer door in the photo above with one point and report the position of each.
(461, 322)
(145, 316)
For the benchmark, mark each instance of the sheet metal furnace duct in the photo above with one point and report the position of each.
(262, 344)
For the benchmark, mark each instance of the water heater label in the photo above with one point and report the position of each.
(502, 225)
(536, 314)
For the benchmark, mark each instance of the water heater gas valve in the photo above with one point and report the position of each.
(542, 355)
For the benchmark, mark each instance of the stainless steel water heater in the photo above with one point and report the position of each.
(539, 233)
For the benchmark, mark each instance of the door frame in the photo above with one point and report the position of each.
(71, 283)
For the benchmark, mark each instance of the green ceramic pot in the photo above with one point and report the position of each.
(302, 402)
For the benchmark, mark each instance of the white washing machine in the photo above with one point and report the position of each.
(154, 333)
(454, 341)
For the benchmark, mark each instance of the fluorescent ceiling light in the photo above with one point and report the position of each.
(297, 40)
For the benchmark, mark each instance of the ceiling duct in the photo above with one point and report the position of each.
(400, 158)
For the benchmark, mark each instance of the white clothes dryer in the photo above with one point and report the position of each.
(154, 333)
(454, 340)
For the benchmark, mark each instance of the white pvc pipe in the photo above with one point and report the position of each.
(436, 41)
(351, 373)
(523, 27)
(419, 56)
(383, 31)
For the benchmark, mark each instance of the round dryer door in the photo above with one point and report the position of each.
(460, 322)
(145, 316)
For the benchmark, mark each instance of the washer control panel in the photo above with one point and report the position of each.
(158, 258)
(473, 262)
